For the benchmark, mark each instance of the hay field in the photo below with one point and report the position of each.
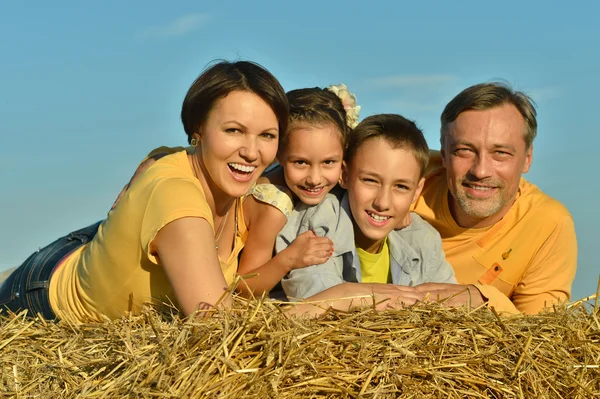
(426, 351)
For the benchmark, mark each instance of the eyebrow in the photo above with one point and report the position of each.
(246, 127)
(494, 146)
(505, 147)
(374, 174)
(328, 156)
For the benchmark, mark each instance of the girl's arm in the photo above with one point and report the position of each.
(265, 222)
(186, 250)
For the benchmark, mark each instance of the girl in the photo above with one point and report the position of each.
(310, 155)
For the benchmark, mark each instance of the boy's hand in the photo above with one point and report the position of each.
(390, 296)
(307, 250)
(453, 294)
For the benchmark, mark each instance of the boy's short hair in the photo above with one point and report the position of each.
(398, 131)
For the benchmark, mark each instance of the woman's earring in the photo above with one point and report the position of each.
(194, 142)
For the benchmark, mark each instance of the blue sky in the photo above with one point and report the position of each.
(88, 88)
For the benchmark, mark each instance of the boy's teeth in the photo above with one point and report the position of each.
(378, 218)
(242, 168)
(313, 190)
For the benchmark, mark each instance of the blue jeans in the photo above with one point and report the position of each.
(28, 286)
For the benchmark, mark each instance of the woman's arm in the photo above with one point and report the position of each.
(186, 250)
(265, 222)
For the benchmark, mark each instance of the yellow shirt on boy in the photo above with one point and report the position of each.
(525, 262)
(375, 268)
(115, 272)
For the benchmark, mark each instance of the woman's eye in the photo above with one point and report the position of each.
(269, 136)
(232, 130)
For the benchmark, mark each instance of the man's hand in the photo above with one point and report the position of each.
(452, 294)
(307, 250)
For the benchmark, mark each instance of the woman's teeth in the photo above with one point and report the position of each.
(242, 168)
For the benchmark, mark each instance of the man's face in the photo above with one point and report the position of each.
(485, 155)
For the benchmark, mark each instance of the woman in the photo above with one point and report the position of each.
(176, 233)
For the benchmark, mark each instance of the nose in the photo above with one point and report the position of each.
(382, 200)
(481, 167)
(314, 176)
(249, 150)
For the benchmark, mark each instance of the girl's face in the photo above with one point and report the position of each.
(237, 142)
(312, 161)
(382, 183)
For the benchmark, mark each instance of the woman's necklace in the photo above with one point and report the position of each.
(221, 227)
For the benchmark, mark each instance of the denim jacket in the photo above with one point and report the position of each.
(416, 254)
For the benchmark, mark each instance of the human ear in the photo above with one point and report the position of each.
(419, 190)
(528, 159)
(344, 175)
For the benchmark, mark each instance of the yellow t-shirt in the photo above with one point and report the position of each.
(525, 262)
(375, 268)
(115, 272)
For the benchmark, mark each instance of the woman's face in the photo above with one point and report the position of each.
(237, 142)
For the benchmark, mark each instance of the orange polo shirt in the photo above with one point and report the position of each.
(525, 262)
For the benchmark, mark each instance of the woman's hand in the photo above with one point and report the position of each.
(308, 249)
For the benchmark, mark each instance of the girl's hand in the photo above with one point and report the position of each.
(307, 250)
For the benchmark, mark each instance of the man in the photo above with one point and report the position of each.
(510, 244)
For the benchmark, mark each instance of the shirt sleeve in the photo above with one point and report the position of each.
(496, 299)
(438, 268)
(308, 281)
(426, 240)
(550, 276)
(169, 200)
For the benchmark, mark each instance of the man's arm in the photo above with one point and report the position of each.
(549, 278)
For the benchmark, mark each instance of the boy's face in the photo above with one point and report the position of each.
(382, 183)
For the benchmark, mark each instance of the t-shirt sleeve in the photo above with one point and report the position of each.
(169, 200)
(277, 196)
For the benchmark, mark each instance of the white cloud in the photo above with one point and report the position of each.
(179, 27)
(411, 80)
(543, 94)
